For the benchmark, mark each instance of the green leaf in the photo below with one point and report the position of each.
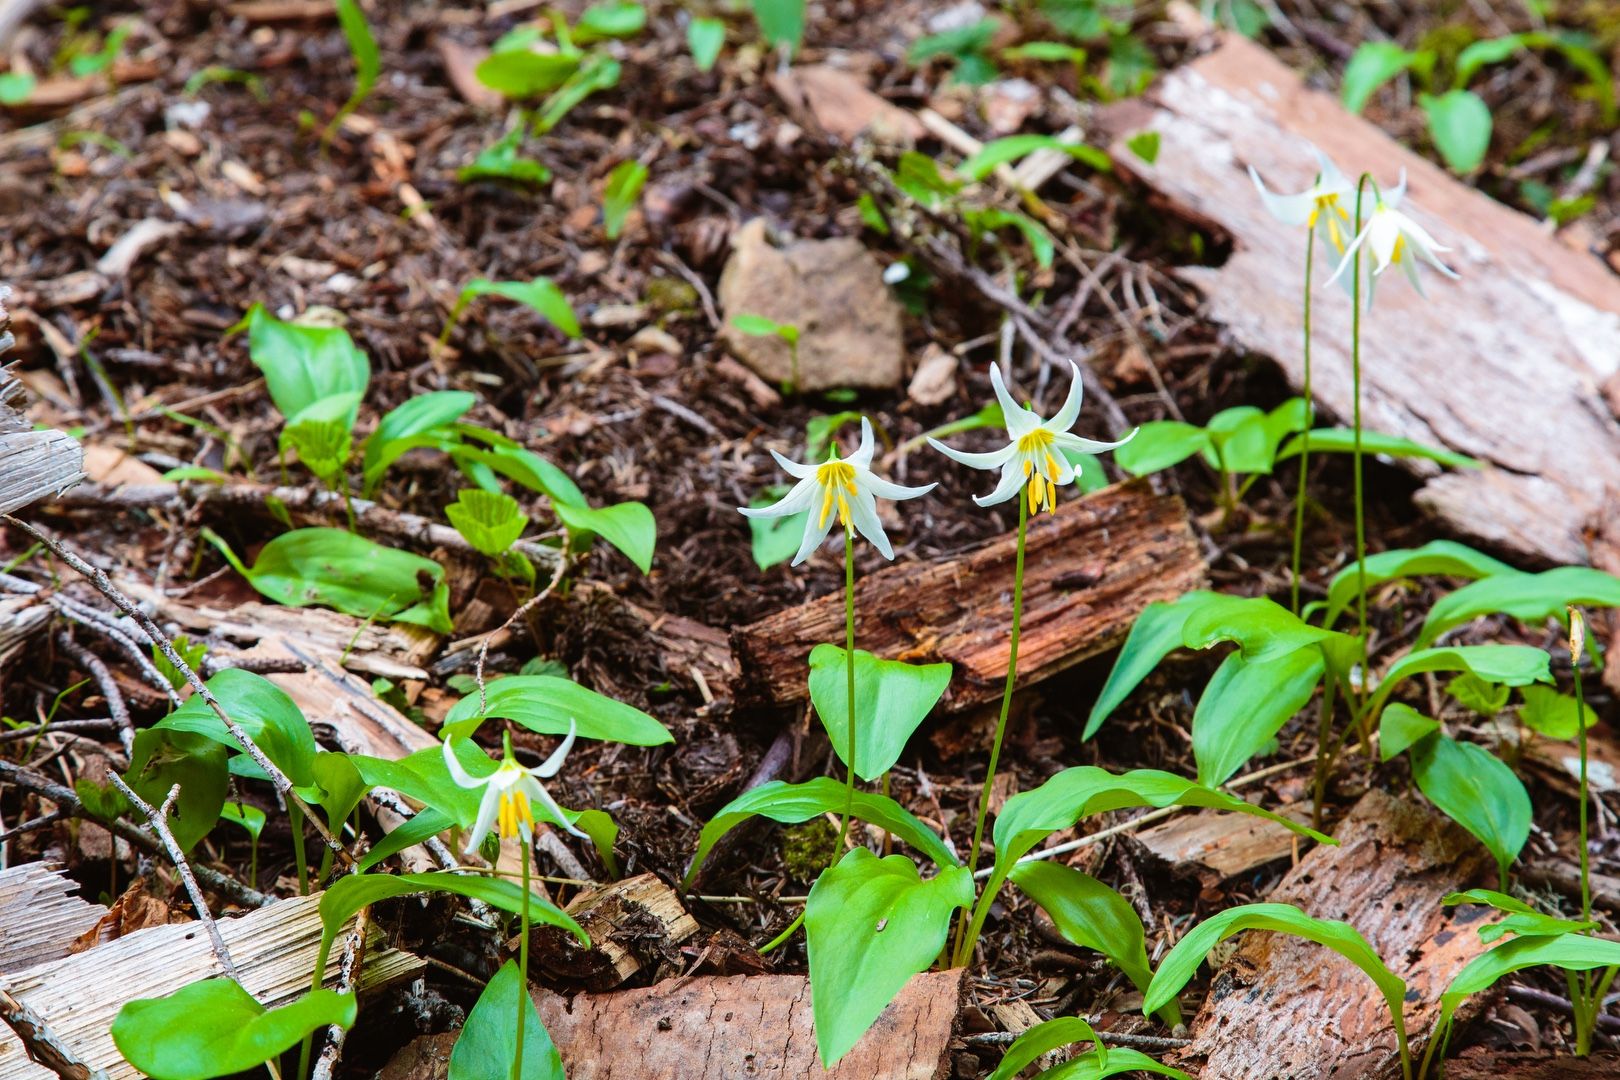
(1549, 713)
(1091, 915)
(488, 520)
(1244, 706)
(1264, 630)
(1474, 788)
(870, 924)
(1437, 557)
(304, 364)
(1474, 693)
(774, 540)
(819, 431)
(790, 804)
(1155, 634)
(548, 705)
(16, 86)
(1400, 727)
(758, 326)
(599, 72)
(215, 1028)
(624, 185)
(610, 20)
(1481, 53)
(1000, 152)
(1159, 444)
(1251, 446)
(425, 824)
(263, 710)
(984, 220)
(1372, 65)
(337, 569)
(1121, 1059)
(891, 699)
(628, 526)
(367, 60)
(1343, 441)
(919, 177)
(1522, 919)
(1460, 124)
(1531, 598)
(705, 38)
(1570, 952)
(504, 160)
(416, 416)
(1512, 665)
(1041, 1040)
(522, 74)
(323, 445)
(195, 474)
(1145, 145)
(518, 465)
(487, 1045)
(781, 22)
(1182, 961)
(163, 758)
(541, 296)
(337, 788)
(248, 817)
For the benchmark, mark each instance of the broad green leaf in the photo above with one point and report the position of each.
(774, 540)
(337, 569)
(1481, 53)
(1121, 1059)
(416, 416)
(337, 788)
(518, 465)
(1155, 634)
(367, 60)
(598, 72)
(303, 364)
(628, 526)
(1460, 124)
(1372, 65)
(542, 296)
(1251, 447)
(549, 705)
(1343, 441)
(215, 1028)
(263, 710)
(790, 804)
(781, 22)
(891, 699)
(1472, 692)
(870, 924)
(1549, 713)
(1400, 727)
(503, 160)
(1042, 1039)
(248, 817)
(1145, 145)
(1437, 557)
(1159, 444)
(323, 445)
(488, 1041)
(624, 186)
(424, 825)
(1181, 962)
(1528, 597)
(1522, 919)
(163, 758)
(16, 87)
(488, 520)
(1245, 705)
(613, 19)
(1511, 665)
(999, 152)
(1264, 630)
(1570, 952)
(522, 74)
(1474, 788)
(705, 38)
(1093, 916)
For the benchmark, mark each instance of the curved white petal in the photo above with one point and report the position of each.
(1012, 482)
(993, 459)
(1070, 412)
(1349, 256)
(1408, 263)
(1397, 194)
(1018, 420)
(815, 531)
(867, 480)
(1329, 179)
(553, 764)
(539, 795)
(863, 516)
(800, 498)
(461, 776)
(487, 808)
(793, 468)
(1288, 209)
(1091, 446)
(862, 457)
(1382, 234)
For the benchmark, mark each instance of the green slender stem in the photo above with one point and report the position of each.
(1580, 989)
(781, 939)
(849, 669)
(888, 837)
(1355, 460)
(455, 317)
(1305, 436)
(523, 961)
(1580, 734)
(295, 818)
(1325, 752)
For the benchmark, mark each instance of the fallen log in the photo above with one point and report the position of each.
(634, 924)
(1282, 1006)
(1506, 364)
(1090, 568)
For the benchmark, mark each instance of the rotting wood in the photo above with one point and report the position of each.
(635, 924)
(37, 463)
(1282, 1006)
(1090, 568)
(79, 996)
(1506, 364)
(40, 916)
(719, 1028)
(1214, 847)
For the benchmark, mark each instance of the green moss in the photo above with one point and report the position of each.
(669, 296)
(810, 848)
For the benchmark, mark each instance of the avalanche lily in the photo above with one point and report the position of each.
(1393, 238)
(1320, 206)
(844, 490)
(1031, 455)
(510, 793)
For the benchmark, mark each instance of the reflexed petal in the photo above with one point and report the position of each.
(1393, 198)
(488, 806)
(1090, 446)
(862, 457)
(815, 531)
(1019, 421)
(865, 480)
(864, 516)
(1408, 263)
(549, 767)
(1382, 235)
(800, 498)
(1012, 482)
(1070, 412)
(1329, 179)
(461, 776)
(1423, 245)
(1288, 209)
(539, 796)
(793, 468)
(994, 459)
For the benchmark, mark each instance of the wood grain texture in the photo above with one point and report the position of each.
(274, 947)
(1213, 847)
(33, 464)
(41, 914)
(1090, 568)
(1284, 1007)
(635, 924)
(1506, 364)
(721, 1028)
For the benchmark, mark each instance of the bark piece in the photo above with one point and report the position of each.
(1215, 847)
(1090, 568)
(274, 947)
(731, 1026)
(1506, 364)
(840, 104)
(40, 916)
(1282, 1006)
(1481, 1064)
(832, 290)
(633, 924)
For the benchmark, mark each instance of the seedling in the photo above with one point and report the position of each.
(367, 62)
(705, 38)
(542, 296)
(624, 186)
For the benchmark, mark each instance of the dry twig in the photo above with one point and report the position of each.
(108, 686)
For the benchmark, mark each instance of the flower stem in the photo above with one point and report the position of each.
(523, 961)
(1580, 985)
(1580, 734)
(849, 669)
(1355, 464)
(1305, 436)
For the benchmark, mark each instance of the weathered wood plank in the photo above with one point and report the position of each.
(634, 924)
(1213, 847)
(35, 463)
(1506, 364)
(41, 915)
(1090, 568)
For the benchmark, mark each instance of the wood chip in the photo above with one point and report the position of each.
(41, 916)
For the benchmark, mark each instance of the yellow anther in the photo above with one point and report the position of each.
(843, 511)
(827, 505)
(1029, 466)
(1034, 442)
(1051, 497)
(1051, 467)
(1035, 492)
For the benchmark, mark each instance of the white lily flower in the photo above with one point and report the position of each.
(1393, 238)
(847, 484)
(1320, 206)
(510, 792)
(1029, 457)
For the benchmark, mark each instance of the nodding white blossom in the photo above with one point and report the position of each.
(845, 485)
(510, 793)
(1322, 206)
(1394, 239)
(1032, 456)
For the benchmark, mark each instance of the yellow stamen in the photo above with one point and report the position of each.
(1051, 497)
(1035, 492)
(1036, 441)
(843, 510)
(1395, 255)
(1029, 466)
(832, 476)
(826, 506)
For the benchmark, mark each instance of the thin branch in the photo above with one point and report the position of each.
(108, 686)
(41, 1043)
(159, 820)
(527, 605)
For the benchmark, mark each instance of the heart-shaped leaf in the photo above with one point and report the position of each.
(488, 1041)
(549, 705)
(1244, 706)
(304, 364)
(628, 526)
(891, 699)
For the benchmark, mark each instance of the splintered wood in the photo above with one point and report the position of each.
(1507, 364)
(37, 463)
(1283, 1006)
(633, 924)
(40, 918)
(1090, 568)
